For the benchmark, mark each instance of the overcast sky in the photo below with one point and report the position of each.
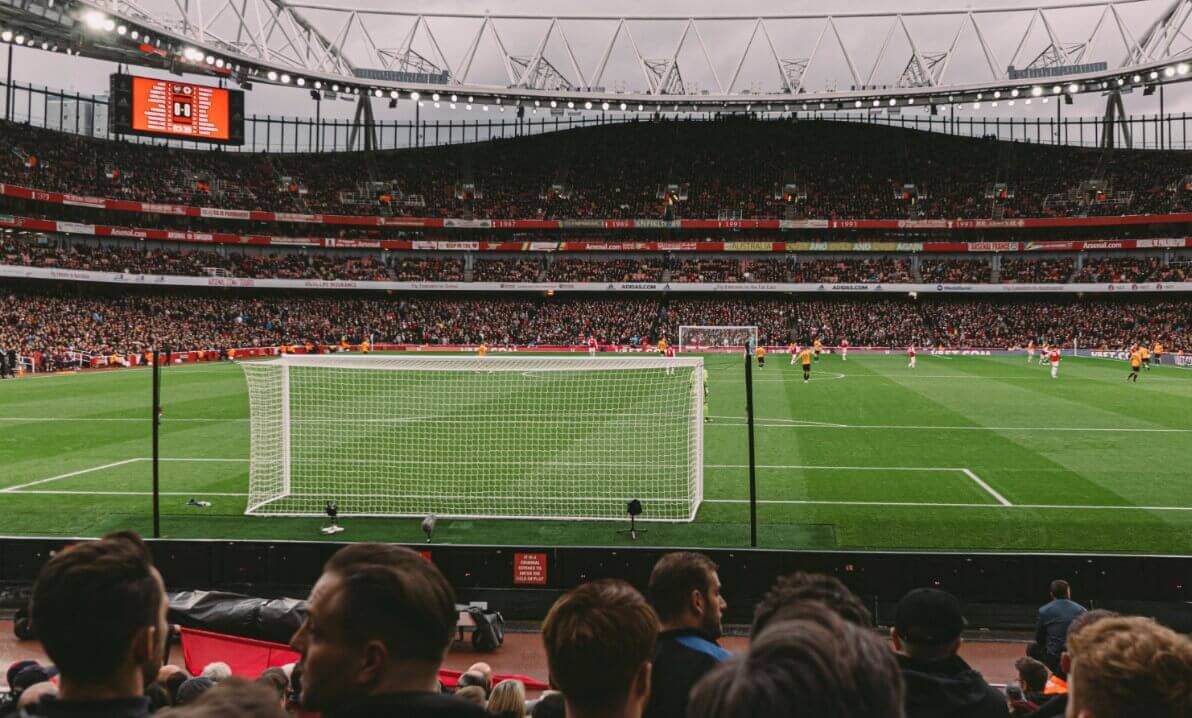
(726, 41)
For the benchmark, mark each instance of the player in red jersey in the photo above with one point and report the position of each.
(910, 352)
(591, 346)
(670, 359)
(843, 350)
(1054, 357)
(1030, 351)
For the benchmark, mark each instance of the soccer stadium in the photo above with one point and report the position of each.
(727, 357)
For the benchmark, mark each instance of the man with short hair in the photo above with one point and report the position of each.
(926, 635)
(685, 593)
(1130, 668)
(104, 663)
(797, 588)
(379, 622)
(1051, 626)
(814, 664)
(599, 641)
(1032, 678)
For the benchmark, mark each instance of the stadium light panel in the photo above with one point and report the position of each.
(1137, 78)
(1073, 88)
(121, 30)
(19, 39)
(857, 103)
(587, 105)
(210, 59)
(604, 106)
(1154, 74)
(414, 95)
(1036, 91)
(94, 19)
(6, 36)
(570, 105)
(622, 107)
(1182, 68)
(454, 98)
(1014, 92)
(272, 76)
(135, 34)
(1169, 72)
(997, 94)
(435, 97)
(554, 103)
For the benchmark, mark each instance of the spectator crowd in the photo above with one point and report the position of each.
(731, 167)
(380, 620)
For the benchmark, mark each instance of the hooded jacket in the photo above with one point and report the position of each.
(949, 688)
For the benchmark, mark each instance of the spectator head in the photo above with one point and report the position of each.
(30, 675)
(1032, 674)
(191, 689)
(1077, 625)
(927, 624)
(276, 680)
(114, 578)
(232, 697)
(1130, 667)
(473, 694)
(171, 677)
(794, 589)
(379, 620)
(827, 666)
(599, 642)
(550, 705)
(32, 695)
(216, 671)
(684, 590)
(158, 697)
(485, 670)
(16, 667)
(508, 699)
(473, 678)
(1060, 589)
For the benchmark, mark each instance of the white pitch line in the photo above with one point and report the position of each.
(776, 424)
(988, 489)
(797, 422)
(948, 505)
(127, 493)
(80, 472)
(841, 468)
(150, 458)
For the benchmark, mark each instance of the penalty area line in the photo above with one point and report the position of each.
(921, 504)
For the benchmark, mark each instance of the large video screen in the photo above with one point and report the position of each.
(168, 108)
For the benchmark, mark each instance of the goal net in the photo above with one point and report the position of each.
(491, 437)
(695, 338)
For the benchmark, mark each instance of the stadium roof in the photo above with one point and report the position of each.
(886, 58)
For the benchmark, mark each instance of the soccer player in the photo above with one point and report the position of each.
(365, 347)
(1055, 362)
(1146, 356)
(1135, 365)
(707, 416)
(843, 350)
(591, 345)
(1158, 352)
(805, 360)
(483, 350)
(1044, 354)
(1030, 351)
(794, 350)
(662, 345)
(910, 352)
(669, 352)
(761, 356)
(818, 347)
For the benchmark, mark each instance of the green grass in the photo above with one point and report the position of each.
(868, 455)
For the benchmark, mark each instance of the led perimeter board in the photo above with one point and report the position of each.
(181, 110)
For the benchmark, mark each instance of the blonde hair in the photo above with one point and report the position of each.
(508, 698)
(1131, 666)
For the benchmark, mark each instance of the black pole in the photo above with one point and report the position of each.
(9, 95)
(156, 423)
(752, 458)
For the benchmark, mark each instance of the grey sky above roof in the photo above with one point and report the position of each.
(588, 42)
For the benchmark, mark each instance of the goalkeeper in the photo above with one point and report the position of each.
(707, 416)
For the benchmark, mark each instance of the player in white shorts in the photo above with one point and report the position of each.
(592, 346)
(670, 359)
(910, 352)
(843, 350)
(1055, 363)
(794, 350)
(1043, 355)
(1030, 351)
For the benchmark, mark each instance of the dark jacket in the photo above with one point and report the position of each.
(51, 707)
(410, 705)
(949, 688)
(1051, 625)
(681, 658)
(1057, 706)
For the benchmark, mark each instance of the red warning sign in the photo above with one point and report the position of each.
(529, 569)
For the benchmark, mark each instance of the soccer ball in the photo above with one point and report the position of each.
(914, 295)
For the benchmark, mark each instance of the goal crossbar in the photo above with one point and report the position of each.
(476, 437)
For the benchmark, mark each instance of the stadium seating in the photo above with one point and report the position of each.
(735, 168)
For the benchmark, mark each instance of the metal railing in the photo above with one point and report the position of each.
(88, 115)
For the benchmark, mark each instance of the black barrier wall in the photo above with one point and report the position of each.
(999, 590)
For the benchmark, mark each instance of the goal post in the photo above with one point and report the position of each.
(696, 338)
(478, 437)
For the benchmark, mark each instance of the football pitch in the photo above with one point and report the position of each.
(961, 453)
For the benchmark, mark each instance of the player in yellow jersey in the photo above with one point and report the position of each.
(761, 356)
(818, 346)
(365, 347)
(805, 360)
(1145, 354)
(662, 345)
(1158, 352)
(482, 351)
(1135, 365)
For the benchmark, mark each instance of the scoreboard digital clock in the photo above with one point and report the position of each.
(181, 110)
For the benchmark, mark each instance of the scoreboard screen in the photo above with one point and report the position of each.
(168, 108)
